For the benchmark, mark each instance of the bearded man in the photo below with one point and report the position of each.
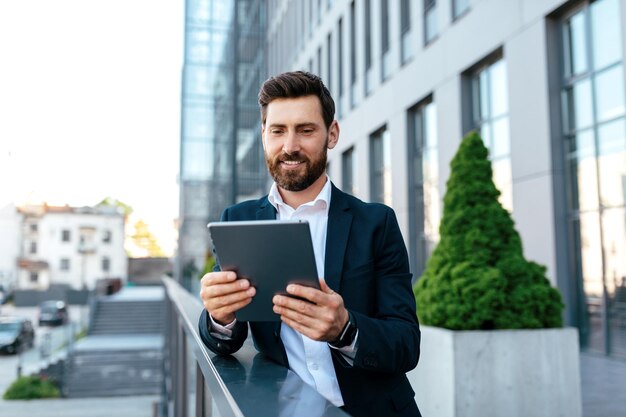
(355, 338)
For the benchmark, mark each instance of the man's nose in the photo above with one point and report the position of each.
(292, 144)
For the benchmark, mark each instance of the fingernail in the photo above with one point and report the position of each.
(243, 283)
(291, 288)
(251, 291)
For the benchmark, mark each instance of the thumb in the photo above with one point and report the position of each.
(324, 287)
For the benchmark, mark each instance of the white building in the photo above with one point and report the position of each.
(542, 81)
(72, 246)
(10, 226)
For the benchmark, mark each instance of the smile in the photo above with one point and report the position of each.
(292, 163)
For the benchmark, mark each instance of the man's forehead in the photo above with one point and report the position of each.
(297, 108)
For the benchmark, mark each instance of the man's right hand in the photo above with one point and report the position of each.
(223, 294)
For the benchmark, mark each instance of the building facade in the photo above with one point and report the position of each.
(544, 84)
(221, 158)
(70, 246)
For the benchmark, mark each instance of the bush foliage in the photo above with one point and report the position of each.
(477, 277)
(31, 387)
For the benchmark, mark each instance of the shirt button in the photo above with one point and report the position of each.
(314, 367)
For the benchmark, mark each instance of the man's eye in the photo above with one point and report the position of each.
(276, 131)
(307, 131)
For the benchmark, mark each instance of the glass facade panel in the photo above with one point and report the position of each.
(498, 89)
(612, 163)
(430, 24)
(583, 172)
(348, 172)
(500, 147)
(380, 175)
(575, 49)
(459, 7)
(595, 135)
(579, 110)
(605, 33)
(425, 200)
(609, 93)
(490, 111)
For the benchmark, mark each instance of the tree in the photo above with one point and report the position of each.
(143, 238)
(112, 202)
(477, 277)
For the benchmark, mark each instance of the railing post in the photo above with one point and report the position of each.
(181, 377)
(201, 400)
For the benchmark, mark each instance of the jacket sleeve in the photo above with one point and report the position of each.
(222, 346)
(389, 335)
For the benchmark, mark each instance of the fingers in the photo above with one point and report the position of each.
(223, 294)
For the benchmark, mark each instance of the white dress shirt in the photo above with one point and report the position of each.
(309, 359)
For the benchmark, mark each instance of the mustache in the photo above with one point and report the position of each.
(291, 157)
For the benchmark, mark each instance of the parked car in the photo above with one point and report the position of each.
(16, 334)
(53, 313)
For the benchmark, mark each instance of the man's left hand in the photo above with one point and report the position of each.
(322, 317)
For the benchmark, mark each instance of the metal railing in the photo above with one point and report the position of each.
(200, 383)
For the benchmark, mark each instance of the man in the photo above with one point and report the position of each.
(356, 337)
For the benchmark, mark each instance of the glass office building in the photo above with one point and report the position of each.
(221, 158)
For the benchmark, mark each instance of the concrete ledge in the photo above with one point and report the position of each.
(498, 373)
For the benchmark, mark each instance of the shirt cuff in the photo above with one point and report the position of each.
(219, 331)
(348, 352)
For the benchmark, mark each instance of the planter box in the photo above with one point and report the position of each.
(498, 373)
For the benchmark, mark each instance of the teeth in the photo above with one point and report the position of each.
(292, 162)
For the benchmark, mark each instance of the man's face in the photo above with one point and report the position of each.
(296, 140)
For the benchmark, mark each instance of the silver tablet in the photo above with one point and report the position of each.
(271, 254)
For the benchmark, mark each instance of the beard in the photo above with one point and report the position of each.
(296, 180)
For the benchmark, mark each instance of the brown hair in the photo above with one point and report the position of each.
(293, 85)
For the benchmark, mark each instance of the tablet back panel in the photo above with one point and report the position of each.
(269, 253)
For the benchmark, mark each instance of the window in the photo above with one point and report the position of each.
(65, 235)
(33, 277)
(430, 21)
(340, 68)
(33, 227)
(424, 203)
(33, 248)
(319, 61)
(384, 23)
(329, 61)
(380, 163)
(368, 46)
(348, 171)
(406, 49)
(65, 264)
(490, 114)
(459, 7)
(594, 134)
(106, 264)
(107, 236)
(352, 55)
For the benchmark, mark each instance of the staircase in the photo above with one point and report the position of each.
(122, 353)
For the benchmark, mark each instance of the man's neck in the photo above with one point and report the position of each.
(295, 199)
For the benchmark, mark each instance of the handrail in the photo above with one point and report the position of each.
(246, 383)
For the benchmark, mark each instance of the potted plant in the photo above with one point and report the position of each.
(492, 336)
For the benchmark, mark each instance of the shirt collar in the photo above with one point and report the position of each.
(323, 197)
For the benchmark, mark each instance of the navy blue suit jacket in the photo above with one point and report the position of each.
(366, 262)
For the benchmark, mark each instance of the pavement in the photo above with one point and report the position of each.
(142, 406)
(603, 386)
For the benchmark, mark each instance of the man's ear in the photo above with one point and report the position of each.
(333, 134)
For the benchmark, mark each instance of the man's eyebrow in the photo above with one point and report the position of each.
(298, 126)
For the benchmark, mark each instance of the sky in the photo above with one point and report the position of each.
(90, 105)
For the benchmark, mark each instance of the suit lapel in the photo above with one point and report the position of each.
(266, 211)
(339, 222)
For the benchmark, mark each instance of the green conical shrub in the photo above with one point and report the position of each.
(477, 277)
